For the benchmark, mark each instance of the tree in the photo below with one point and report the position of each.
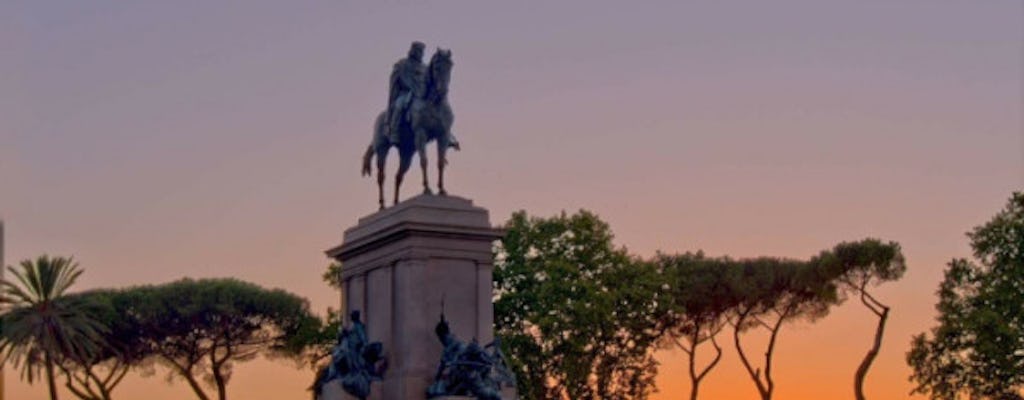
(95, 376)
(977, 350)
(769, 293)
(699, 298)
(576, 315)
(42, 326)
(332, 275)
(858, 266)
(200, 329)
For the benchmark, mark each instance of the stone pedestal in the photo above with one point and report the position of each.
(398, 264)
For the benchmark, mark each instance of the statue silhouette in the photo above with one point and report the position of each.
(428, 118)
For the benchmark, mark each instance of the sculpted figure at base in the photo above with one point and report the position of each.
(418, 113)
(467, 369)
(354, 360)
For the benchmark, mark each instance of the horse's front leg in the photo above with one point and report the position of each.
(403, 166)
(380, 181)
(441, 162)
(421, 149)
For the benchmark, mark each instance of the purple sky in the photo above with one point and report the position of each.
(158, 140)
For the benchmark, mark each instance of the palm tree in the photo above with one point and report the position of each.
(41, 326)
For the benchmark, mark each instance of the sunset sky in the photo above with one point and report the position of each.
(155, 140)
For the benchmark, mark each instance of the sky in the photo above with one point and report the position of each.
(159, 140)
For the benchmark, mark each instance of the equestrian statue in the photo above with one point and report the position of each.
(417, 113)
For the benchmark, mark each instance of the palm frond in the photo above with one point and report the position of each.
(41, 322)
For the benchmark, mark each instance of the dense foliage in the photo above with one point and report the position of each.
(698, 297)
(576, 314)
(977, 350)
(580, 317)
(94, 376)
(201, 328)
(771, 293)
(197, 328)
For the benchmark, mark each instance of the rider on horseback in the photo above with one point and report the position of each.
(408, 81)
(418, 113)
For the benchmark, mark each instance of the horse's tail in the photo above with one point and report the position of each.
(367, 158)
(453, 142)
(378, 125)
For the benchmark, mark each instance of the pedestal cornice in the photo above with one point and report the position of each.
(421, 227)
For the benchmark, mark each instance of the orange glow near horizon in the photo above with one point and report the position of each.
(155, 141)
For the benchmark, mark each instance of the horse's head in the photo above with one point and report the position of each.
(440, 72)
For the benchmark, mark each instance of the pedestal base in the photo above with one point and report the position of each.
(506, 394)
(333, 391)
(399, 265)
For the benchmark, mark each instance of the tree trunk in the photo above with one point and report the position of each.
(187, 374)
(695, 378)
(222, 390)
(862, 370)
(765, 386)
(113, 379)
(218, 377)
(195, 386)
(50, 380)
(767, 395)
(101, 384)
(694, 381)
(755, 375)
(82, 387)
(192, 383)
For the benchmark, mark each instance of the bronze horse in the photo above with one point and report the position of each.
(430, 119)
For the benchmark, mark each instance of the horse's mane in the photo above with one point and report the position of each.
(433, 86)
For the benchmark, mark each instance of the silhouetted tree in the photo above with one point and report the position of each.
(42, 325)
(94, 376)
(201, 328)
(977, 350)
(699, 297)
(332, 275)
(772, 292)
(858, 266)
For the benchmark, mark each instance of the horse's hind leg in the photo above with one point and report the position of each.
(421, 148)
(441, 161)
